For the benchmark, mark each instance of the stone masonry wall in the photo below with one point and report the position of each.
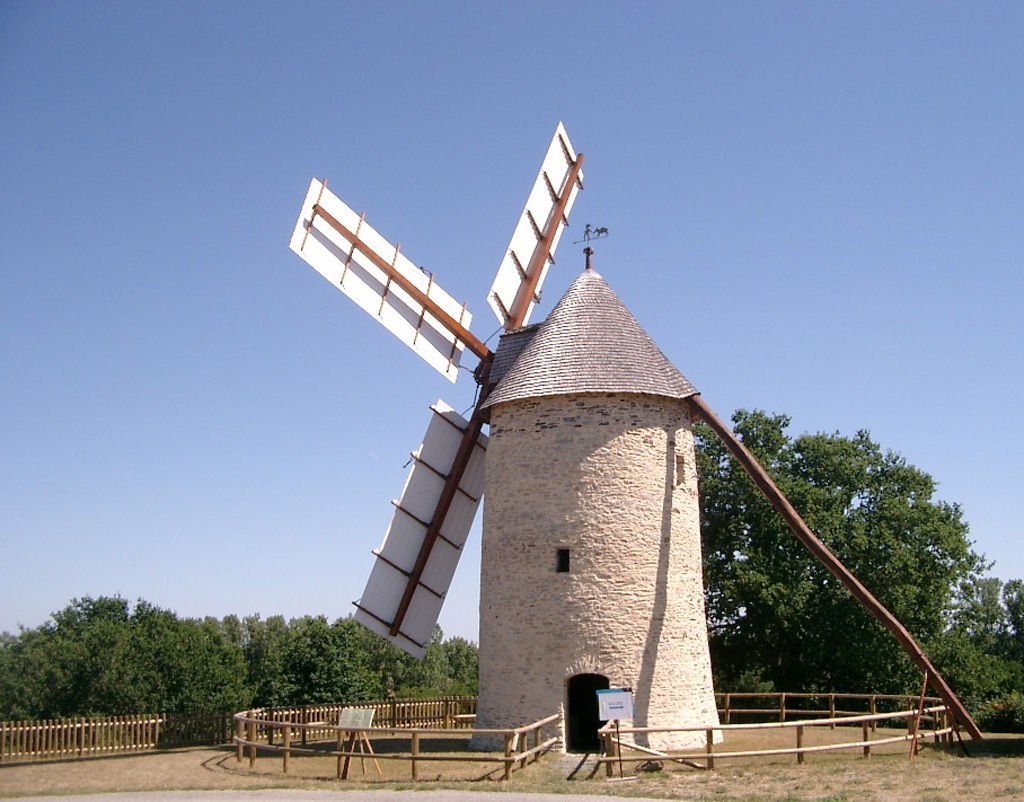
(611, 477)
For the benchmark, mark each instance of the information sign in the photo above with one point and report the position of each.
(355, 718)
(614, 704)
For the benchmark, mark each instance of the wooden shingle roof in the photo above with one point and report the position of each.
(590, 343)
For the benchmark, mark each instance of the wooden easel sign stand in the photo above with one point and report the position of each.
(616, 704)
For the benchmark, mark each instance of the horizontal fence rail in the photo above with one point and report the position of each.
(919, 714)
(63, 739)
(522, 745)
(781, 706)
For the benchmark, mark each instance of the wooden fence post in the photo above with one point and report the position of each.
(304, 717)
(251, 737)
(728, 710)
(874, 710)
(609, 752)
(913, 727)
(287, 733)
(508, 755)
(415, 750)
(800, 744)
(832, 710)
(782, 707)
(710, 748)
(867, 749)
(239, 735)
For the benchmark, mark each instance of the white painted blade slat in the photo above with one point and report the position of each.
(331, 254)
(384, 589)
(529, 230)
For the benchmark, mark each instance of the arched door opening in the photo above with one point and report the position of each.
(582, 722)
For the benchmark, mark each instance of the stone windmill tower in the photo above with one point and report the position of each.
(591, 571)
(591, 566)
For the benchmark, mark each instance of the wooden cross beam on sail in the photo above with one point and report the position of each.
(416, 562)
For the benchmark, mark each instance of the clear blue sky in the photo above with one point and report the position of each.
(816, 209)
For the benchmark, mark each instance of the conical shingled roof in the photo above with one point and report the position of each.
(590, 343)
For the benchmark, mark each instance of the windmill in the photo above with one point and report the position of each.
(590, 347)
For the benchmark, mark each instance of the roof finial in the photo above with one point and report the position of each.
(589, 234)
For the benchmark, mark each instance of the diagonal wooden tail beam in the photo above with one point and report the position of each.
(821, 553)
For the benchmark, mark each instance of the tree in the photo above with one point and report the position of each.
(978, 613)
(105, 656)
(463, 664)
(980, 651)
(1013, 600)
(323, 662)
(775, 614)
(264, 644)
(102, 656)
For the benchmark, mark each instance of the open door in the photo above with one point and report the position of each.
(582, 722)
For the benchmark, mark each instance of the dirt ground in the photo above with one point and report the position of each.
(995, 771)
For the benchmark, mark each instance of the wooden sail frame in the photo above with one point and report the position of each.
(402, 557)
(343, 248)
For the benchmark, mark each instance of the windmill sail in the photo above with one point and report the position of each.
(378, 607)
(345, 250)
(536, 235)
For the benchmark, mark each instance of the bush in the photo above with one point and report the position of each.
(1003, 714)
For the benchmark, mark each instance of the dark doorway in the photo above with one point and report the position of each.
(583, 723)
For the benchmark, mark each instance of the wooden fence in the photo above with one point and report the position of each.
(922, 712)
(522, 745)
(784, 706)
(77, 737)
(195, 729)
(447, 712)
(87, 737)
(62, 739)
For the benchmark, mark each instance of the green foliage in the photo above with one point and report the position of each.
(975, 674)
(106, 657)
(773, 611)
(980, 653)
(778, 619)
(1003, 714)
(100, 656)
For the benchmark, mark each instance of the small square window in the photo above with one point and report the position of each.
(680, 470)
(562, 561)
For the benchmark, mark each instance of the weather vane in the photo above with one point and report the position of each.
(590, 233)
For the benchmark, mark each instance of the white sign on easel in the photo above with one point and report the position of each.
(614, 705)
